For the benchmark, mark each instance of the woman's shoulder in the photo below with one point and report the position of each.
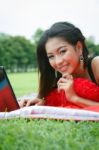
(93, 68)
(92, 59)
(95, 60)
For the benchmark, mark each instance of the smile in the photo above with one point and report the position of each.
(63, 68)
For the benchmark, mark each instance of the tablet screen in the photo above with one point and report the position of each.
(8, 101)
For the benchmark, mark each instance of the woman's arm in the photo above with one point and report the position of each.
(83, 102)
(67, 84)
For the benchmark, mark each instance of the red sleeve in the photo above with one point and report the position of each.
(55, 98)
(83, 87)
(86, 89)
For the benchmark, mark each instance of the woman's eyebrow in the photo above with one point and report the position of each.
(57, 49)
(61, 47)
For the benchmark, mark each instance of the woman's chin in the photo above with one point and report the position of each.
(65, 72)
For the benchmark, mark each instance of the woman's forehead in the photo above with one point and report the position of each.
(55, 43)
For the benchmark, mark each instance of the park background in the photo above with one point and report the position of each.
(21, 24)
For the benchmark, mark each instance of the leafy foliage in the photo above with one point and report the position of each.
(92, 47)
(37, 35)
(17, 53)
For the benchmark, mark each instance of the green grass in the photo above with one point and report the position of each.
(40, 134)
(24, 83)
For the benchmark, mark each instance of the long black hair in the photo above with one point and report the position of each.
(69, 33)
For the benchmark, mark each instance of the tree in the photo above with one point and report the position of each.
(37, 36)
(17, 53)
(92, 47)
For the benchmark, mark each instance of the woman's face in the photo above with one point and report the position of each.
(63, 57)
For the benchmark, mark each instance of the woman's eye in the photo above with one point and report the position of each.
(63, 51)
(50, 57)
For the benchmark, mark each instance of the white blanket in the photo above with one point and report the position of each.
(51, 113)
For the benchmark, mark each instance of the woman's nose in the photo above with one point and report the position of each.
(58, 60)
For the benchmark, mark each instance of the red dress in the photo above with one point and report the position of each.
(83, 87)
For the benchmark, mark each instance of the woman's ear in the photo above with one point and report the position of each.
(79, 47)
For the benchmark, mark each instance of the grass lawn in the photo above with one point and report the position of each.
(24, 83)
(40, 134)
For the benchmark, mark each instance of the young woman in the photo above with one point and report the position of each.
(65, 69)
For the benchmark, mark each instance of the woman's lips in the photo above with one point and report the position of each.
(63, 68)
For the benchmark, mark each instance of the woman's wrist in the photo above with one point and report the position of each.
(83, 102)
(72, 96)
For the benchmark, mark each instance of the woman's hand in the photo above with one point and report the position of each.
(27, 102)
(66, 83)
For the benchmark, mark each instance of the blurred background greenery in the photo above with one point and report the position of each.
(18, 54)
(24, 83)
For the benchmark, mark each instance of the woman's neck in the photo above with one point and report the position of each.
(81, 74)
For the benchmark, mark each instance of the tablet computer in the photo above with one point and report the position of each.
(8, 100)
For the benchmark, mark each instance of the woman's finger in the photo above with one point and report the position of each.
(22, 103)
(41, 102)
(32, 102)
(67, 76)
